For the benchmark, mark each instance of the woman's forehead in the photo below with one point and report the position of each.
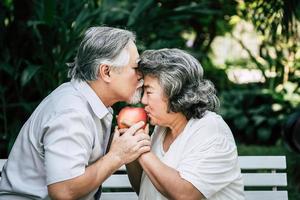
(150, 81)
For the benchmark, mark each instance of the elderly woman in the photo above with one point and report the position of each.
(193, 152)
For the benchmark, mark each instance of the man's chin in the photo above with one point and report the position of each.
(136, 98)
(133, 101)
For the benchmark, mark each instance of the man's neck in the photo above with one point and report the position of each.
(106, 97)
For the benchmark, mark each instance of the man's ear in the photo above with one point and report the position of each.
(104, 72)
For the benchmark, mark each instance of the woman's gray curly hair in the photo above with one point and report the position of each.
(181, 77)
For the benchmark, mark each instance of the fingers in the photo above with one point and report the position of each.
(144, 143)
(140, 131)
(117, 133)
(143, 146)
(144, 149)
(127, 124)
(141, 137)
(135, 127)
(122, 131)
(147, 129)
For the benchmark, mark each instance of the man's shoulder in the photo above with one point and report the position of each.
(65, 96)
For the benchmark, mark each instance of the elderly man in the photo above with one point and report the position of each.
(60, 150)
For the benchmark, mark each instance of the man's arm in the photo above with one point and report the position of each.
(93, 177)
(167, 180)
(124, 149)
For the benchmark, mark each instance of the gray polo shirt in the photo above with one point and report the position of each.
(67, 132)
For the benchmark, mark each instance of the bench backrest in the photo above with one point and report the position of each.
(264, 179)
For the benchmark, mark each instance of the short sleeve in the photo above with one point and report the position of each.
(211, 167)
(67, 144)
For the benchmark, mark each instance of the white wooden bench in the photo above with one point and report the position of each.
(264, 178)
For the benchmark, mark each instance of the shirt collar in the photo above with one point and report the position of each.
(95, 102)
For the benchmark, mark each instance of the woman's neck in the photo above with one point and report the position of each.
(176, 125)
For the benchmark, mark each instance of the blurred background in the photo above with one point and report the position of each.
(249, 49)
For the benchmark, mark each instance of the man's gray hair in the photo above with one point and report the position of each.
(181, 77)
(100, 45)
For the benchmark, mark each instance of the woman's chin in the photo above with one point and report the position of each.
(153, 122)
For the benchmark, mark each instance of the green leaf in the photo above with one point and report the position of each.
(258, 119)
(28, 74)
(49, 11)
(7, 68)
(264, 134)
(140, 7)
(241, 122)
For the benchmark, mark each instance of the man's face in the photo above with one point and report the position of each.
(128, 81)
(136, 97)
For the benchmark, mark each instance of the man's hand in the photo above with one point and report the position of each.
(129, 145)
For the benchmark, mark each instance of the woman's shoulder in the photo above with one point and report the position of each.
(210, 125)
(209, 119)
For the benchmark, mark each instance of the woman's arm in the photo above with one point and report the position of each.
(167, 180)
(134, 169)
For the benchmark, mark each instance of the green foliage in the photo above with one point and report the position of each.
(254, 115)
(162, 24)
(256, 112)
(276, 22)
(38, 38)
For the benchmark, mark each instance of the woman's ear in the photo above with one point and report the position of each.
(104, 72)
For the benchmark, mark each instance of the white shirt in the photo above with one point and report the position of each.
(67, 132)
(204, 154)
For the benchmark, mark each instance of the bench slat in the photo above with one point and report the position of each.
(261, 195)
(266, 195)
(117, 181)
(250, 179)
(264, 179)
(262, 162)
(118, 195)
(245, 162)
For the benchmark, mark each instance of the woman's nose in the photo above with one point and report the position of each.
(139, 75)
(144, 99)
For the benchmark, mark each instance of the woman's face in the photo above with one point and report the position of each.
(155, 102)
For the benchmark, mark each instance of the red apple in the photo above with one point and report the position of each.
(131, 115)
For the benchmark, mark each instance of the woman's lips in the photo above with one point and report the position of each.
(148, 113)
